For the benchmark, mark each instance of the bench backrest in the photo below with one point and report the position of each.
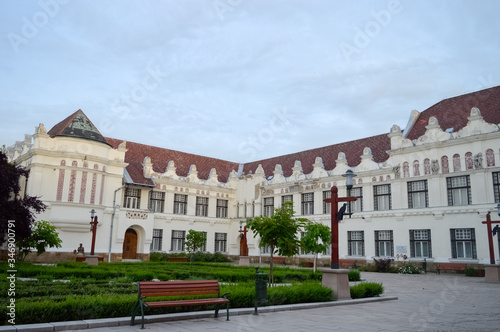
(176, 288)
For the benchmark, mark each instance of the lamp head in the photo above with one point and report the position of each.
(92, 214)
(349, 175)
(498, 208)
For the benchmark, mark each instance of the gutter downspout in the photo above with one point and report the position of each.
(111, 228)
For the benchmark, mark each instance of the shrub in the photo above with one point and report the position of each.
(354, 275)
(383, 265)
(470, 272)
(408, 268)
(366, 289)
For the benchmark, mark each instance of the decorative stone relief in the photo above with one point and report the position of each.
(427, 166)
(469, 164)
(445, 165)
(457, 167)
(435, 166)
(136, 215)
(476, 125)
(397, 171)
(490, 158)
(478, 161)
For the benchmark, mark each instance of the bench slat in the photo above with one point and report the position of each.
(186, 302)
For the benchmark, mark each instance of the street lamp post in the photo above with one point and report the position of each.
(349, 175)
(93, 229)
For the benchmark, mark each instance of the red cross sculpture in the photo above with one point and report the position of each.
(488, 223)
(334, 200)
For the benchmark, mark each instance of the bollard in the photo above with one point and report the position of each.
(260, 288)
(424, 265)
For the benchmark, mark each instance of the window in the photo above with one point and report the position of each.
(463, 243)
(180, 204)
(266, 249)
(157, 240)
(302, 250)
(132, 198)
(382, 197)
(496, 186)
(417, 194)
(156, 201)
(178, 239)
(384, 244)
(327, 207)
(307, 203)
(357, 205)
(420, 243)
(268, 206)
(459, 190)
(356, 243)
(202, 206)
(204, 245)
(286, 198)
(220, 242)
(222, 208)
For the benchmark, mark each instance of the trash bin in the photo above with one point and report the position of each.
(260, 288)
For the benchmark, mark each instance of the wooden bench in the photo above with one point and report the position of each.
(279, 260)
(455, 267)
(177, 259)
(178, 288)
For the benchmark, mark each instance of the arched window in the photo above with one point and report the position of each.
(406, 169)
(469, 162)
(490, 158)
(445, 165)
(427, 166)
(457, 167)
(416, 168)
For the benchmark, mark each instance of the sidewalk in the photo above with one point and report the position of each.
(429, 302)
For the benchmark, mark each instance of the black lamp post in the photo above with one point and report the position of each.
(93, 229)
(349, 175)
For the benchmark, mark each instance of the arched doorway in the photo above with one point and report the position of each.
(130, 245)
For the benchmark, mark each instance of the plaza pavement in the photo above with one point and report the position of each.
(426, 302)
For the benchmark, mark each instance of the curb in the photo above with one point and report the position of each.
(121, 321)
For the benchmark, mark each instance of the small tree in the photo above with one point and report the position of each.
(317, 238)
(280, 232)
(195, 241)
(43, 235)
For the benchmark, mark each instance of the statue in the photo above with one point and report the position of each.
(80, 251)
(435, 166)
(243, 242)
(397, 171)
(478, 161)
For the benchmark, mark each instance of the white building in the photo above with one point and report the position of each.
(422, 191)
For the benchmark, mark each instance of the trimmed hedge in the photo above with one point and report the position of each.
(366, 289)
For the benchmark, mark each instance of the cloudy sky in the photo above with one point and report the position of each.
(240, 80)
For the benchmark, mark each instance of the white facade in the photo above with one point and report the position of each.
(74, 175)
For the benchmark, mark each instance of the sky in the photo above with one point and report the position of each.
(240, 80)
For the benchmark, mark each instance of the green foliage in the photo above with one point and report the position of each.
(354, 275)
(195, 240)
(366, 289)
(279, 232)
(316, 239)
(13, 205)
(470, 272)
(208, 257)
(43, 235)
(409, 268)
(383, 265)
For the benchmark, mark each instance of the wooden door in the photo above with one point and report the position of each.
(130, 245)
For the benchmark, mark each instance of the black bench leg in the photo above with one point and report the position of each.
(142, 313)
(216, 311)
(132, 320)
(227, 308)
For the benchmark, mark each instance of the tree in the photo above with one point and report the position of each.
(280, 232)
(195, 240)
(316, 239)
(12, 206)
(43, 235)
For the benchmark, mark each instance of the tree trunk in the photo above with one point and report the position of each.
(271, 268)
(315, 258)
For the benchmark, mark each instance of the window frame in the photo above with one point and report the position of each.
(222, 208)
(307, 204)
(414, 240)
(379, 241)
(157, 242)
(268, 206)
(132, 198)
(201, 206)
(352, 206)
(153, 202)
(496, 186)
(412, 191)
(378, 196)
(180, 204)
(220, 240)
(355, 242)
(180, 237)
(455, 242)
(327, 207)
(451, 190)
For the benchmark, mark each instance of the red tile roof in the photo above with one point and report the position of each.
(353, 151)
(160, 158)
(77, 125)
(453, 112)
